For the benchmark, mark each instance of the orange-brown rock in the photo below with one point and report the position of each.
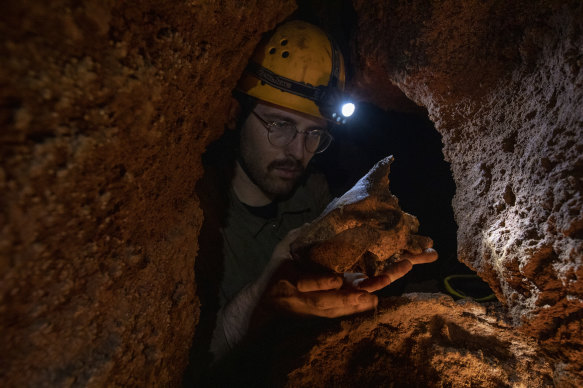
(363, 230)
(503, 83)
(105, 110)
(423, 340)
(417, 340)
(106, 107)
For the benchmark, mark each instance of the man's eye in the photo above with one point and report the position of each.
(281, 124)
(315, 133)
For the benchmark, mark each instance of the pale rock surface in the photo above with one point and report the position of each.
(503, 83)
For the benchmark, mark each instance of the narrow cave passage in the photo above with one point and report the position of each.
(107, 107)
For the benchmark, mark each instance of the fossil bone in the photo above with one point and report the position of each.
(364, 230)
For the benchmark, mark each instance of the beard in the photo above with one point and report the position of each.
(268, 179)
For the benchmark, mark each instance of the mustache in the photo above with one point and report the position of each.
(287, 164)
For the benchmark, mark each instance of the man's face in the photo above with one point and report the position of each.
(275, 170)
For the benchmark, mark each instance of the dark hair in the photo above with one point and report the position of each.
(247, 104)
(226, 148)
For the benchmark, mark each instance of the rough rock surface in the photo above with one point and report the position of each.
(105, 109)
(503, 83)
(417, 340)
(422, 340)
(363, 230)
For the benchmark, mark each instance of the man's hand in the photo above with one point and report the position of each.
(319, 295)
(285, 288)
(395, 271)
(324, 295)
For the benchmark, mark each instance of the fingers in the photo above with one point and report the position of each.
(374, 283)
(397, 270)
(323, 295)
(362, 282)
(427, 256)
(294, 233)
(354, 279)
(282, 249)
(336, 303)
(312, 282)
(323, 303)
(368, 303)
(393, 272)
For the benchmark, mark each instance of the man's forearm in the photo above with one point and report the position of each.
(234, 319)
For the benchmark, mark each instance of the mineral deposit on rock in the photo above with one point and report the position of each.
(503, 83)
(363, 230)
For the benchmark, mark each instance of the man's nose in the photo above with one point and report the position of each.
(297, 148)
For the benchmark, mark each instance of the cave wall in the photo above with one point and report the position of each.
(502, 82)
(105, 110)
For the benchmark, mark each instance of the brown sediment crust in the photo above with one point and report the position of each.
(364, 230)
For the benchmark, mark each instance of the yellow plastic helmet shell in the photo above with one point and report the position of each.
(299, 51)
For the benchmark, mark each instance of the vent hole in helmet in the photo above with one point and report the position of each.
(285, 54)
(272, 50)
(284, 42)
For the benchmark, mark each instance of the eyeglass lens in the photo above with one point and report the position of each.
(315, 141)
(280, 134)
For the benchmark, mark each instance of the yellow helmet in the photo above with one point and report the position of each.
(298, 67)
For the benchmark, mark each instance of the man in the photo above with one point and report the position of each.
(288, 97)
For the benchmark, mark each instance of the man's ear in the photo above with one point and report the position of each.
(235, 111)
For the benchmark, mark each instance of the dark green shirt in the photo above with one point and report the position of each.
(235, 246)
(249, 240)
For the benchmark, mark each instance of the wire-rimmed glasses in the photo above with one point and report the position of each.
(281, 133)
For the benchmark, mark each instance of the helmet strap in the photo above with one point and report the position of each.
(283, 83)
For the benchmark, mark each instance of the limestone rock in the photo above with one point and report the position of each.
(416, 340)
(363, 230)
(503, 83)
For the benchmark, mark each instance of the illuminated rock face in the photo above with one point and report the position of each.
(503, 83)
(105, 109)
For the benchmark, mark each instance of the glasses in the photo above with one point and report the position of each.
(281, 133)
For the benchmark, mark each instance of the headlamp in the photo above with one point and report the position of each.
(334, 105)
(348, 109)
